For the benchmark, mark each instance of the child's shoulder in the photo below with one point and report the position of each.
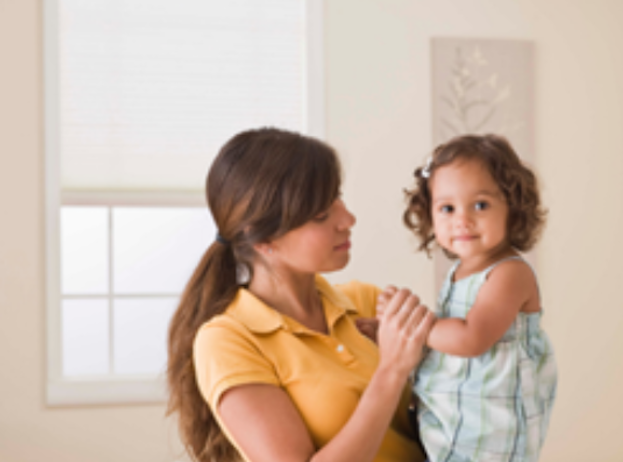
(514, 276)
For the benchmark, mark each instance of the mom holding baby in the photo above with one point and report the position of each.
(266, 362)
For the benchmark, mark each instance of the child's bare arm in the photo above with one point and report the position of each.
(509, 288)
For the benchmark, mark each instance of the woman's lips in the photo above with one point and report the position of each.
(344, 246)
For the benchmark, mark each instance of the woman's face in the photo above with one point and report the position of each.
(320, 245)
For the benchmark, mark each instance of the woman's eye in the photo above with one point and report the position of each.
(481, 205)
(322, 217)
(446, 209)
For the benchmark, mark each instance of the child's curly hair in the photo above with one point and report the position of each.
(517, 182)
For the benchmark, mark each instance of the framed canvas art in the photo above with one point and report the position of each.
(482, 86)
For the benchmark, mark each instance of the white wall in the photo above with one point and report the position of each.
(378, 116)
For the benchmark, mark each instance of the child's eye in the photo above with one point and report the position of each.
(446, 209)
(481, 205)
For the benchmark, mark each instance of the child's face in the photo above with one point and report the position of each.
(468, 209)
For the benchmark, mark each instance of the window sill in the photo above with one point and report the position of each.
(85, 392)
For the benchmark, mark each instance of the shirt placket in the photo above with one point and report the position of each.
(334, 344)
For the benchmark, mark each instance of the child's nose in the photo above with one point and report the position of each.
(462, 219)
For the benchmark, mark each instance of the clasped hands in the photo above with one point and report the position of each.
(400, 328)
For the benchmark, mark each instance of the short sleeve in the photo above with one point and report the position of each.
(363, 296)
(225, 357)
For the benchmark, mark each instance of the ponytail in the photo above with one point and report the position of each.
(210, 290)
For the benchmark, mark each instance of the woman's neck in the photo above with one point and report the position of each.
(292, 294)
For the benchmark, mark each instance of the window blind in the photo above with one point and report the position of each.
(150, 89)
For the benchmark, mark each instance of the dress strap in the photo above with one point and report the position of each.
(453, 268)
(514, 257)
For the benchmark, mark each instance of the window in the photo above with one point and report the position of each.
(139, 96)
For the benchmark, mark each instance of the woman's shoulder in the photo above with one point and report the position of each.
(225, 342)
(221, 329)
(227, 354)
(237, 324)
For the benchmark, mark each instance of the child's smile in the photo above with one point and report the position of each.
(469, 211)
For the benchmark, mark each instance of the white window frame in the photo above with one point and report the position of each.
(61, 390)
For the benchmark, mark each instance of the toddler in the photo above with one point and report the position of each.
(486, 388)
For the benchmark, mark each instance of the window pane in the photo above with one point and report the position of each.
(140, 330)
(156, 249)
(85, 337)
(84, 250)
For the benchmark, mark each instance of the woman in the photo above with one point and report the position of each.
(263, 352)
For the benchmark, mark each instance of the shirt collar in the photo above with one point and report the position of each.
(262, 319)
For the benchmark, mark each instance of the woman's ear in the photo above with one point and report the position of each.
(264, 248)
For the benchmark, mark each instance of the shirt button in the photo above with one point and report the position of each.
(340, 348)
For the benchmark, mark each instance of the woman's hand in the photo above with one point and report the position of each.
(403, 330)
(370, 326)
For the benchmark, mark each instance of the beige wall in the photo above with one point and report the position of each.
(378, 115)
(378, 83)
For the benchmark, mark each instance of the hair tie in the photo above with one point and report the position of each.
(221, 239)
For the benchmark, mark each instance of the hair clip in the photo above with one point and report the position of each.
(425, 172)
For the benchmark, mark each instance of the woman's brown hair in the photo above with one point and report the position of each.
(516, 181)
(262, 184)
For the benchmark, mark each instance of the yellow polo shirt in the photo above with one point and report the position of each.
(324, 375)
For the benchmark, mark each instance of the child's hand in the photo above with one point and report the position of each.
(404, 326)
(383, 299)
(368, 327)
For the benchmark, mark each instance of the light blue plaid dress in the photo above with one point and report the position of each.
(494, 407)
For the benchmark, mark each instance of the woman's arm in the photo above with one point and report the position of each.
(264, 422)
(508, 289)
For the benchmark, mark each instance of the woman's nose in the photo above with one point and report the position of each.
(347, 219)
